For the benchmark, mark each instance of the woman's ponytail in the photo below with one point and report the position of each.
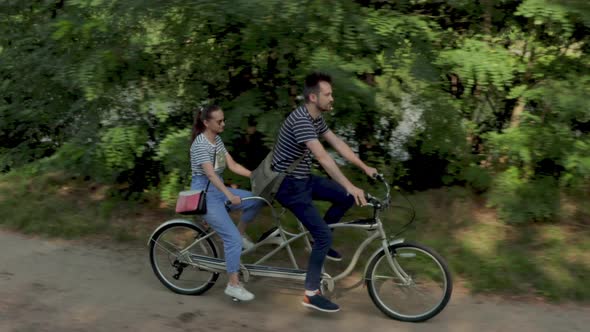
(198, 124)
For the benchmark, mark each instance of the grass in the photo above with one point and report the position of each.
(542, 260)
(61, 206)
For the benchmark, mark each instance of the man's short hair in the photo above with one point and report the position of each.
(312, 83)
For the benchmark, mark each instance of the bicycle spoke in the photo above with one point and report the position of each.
(165, 249)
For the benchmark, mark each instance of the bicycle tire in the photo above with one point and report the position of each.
(402, 254)
(188, 230)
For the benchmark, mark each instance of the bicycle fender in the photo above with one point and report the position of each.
(389, 244)
(173, 221)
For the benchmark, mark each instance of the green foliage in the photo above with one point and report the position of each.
(530, 144)
(481, 63)
(544, 12)
(477, 177)
(107, 89)
(577, 166)
(173, 150)
(121, 145)
(519, 199)
(172, 183)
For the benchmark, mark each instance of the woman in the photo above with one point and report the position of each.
(208, 161)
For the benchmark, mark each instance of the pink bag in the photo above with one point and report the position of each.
(192, 202)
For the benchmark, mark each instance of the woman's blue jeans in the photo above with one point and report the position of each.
(218, 217)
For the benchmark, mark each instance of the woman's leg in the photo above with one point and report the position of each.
(218, 218)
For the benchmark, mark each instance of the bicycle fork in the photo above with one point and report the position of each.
(393, 263)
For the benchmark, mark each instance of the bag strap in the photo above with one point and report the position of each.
(294, 164)
(214, 160)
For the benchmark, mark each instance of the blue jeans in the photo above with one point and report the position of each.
(296, 195)
(218, 218)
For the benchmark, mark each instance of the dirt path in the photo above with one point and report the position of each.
(56, 285)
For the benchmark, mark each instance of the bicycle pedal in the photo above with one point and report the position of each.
(235, 299)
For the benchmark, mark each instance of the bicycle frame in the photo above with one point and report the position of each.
(295, 273)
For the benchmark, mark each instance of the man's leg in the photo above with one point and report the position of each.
(295, 195)
(324, 189)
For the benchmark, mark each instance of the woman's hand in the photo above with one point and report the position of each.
(234, 199)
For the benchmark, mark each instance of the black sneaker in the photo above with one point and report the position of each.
(318, 302)
(332, 254)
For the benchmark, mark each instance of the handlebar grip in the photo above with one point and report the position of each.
(378, 176)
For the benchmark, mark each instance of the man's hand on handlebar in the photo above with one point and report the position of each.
(378, 177)
(370, 171)
(358, 194)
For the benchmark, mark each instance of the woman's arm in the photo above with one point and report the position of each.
(216, 181)
(235, 167)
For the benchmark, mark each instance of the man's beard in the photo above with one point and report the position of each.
(324, 109)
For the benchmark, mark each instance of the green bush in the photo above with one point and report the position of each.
(477, 177)
(519, 200)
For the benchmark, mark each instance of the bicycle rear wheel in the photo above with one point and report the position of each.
(416, 289)
(173, 269)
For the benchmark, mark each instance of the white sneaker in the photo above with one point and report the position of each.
(246, 243)
(238, 292)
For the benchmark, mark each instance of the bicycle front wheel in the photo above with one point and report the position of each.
(415, 288)
(172, 267)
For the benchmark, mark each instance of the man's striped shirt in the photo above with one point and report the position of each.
(298, 128)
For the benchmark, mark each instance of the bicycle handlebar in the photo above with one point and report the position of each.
(378, 176)
(374, 201)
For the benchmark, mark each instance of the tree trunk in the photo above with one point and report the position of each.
(517, 112)
(487, 6)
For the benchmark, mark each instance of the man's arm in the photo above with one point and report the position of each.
(330, 166)
(345, 151)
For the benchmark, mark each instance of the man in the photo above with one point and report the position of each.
(299, 135)
(250, 146)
